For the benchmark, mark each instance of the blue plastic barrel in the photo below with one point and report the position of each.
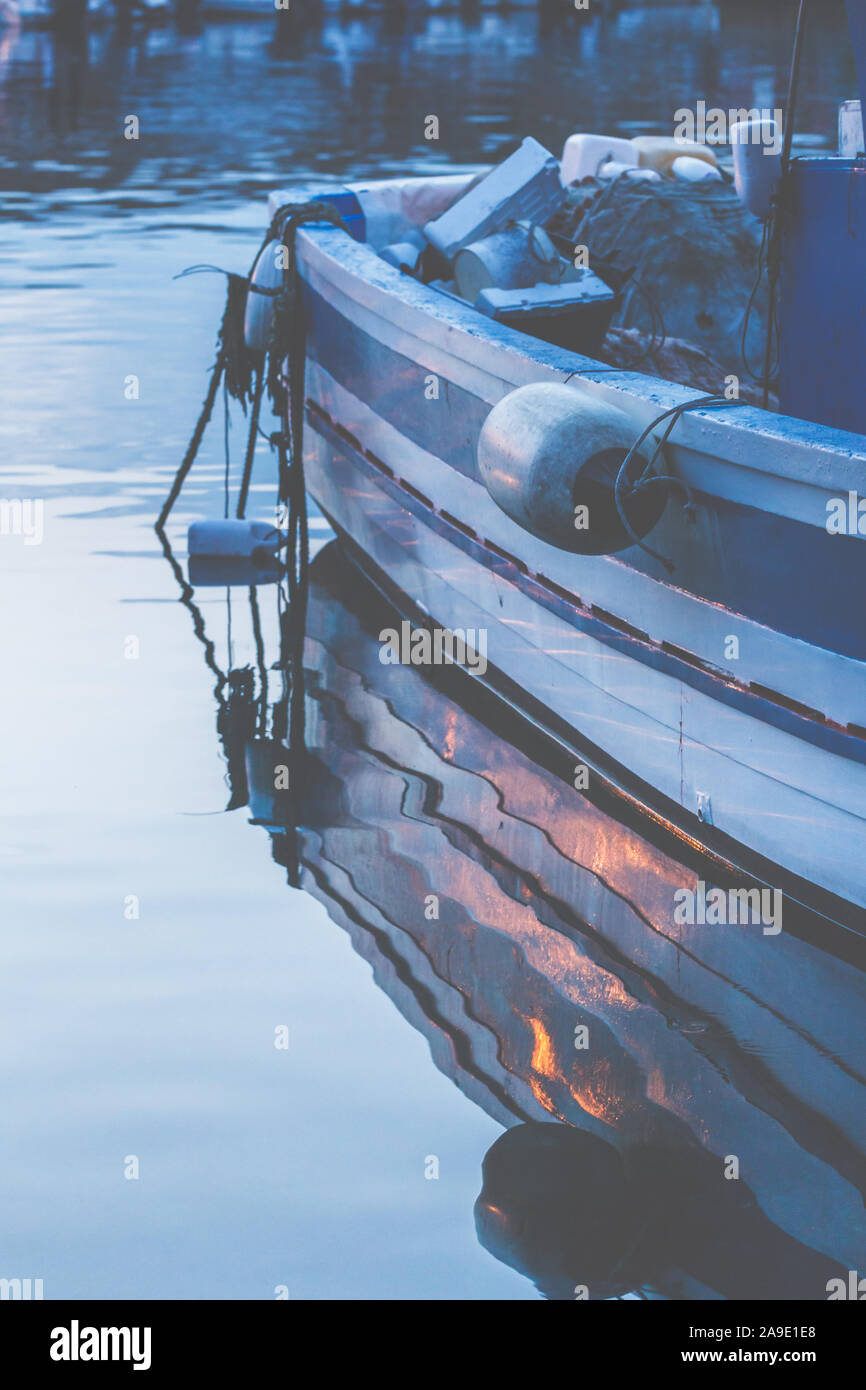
(822, 306)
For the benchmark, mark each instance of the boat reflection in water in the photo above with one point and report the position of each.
(682, 1105)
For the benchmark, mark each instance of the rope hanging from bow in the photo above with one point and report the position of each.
(280, 371)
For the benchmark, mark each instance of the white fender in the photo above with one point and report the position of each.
(549, 454)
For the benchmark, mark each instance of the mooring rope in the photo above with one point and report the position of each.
(251, 441)
(626, 487)
(279, 371)
(233, 364)
(289, 343)
(247, 374)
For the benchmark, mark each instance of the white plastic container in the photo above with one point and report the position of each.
(508, 260)
(525, 185)
(232, 539)
(660, 151)
(613, 169)
(583, 156)
(851, 141)
(757, 164)
(694, 170)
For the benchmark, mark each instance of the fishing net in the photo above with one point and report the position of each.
(695, 253)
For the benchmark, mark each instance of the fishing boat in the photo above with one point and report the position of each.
(729, 696)
(527, 933)
(700, 646)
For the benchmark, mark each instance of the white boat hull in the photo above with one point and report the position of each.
(763, 736)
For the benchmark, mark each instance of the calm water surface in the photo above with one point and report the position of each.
(152, 1036)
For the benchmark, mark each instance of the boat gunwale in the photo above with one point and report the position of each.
(802, 452)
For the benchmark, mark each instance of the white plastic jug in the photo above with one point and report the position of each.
(660, 151)
(757, 164)
(583, 155)
(694, 170)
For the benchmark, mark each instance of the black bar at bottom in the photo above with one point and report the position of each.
(157, 1339)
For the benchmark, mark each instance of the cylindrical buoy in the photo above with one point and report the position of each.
(228, 571)
(549, 455)
(756, 147)
(242, 540)
(513, 259)
(265, 283)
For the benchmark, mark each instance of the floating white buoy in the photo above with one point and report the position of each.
(267, 277)
(240, 540)
(757, 164)
(583, 156)
(695, 170)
